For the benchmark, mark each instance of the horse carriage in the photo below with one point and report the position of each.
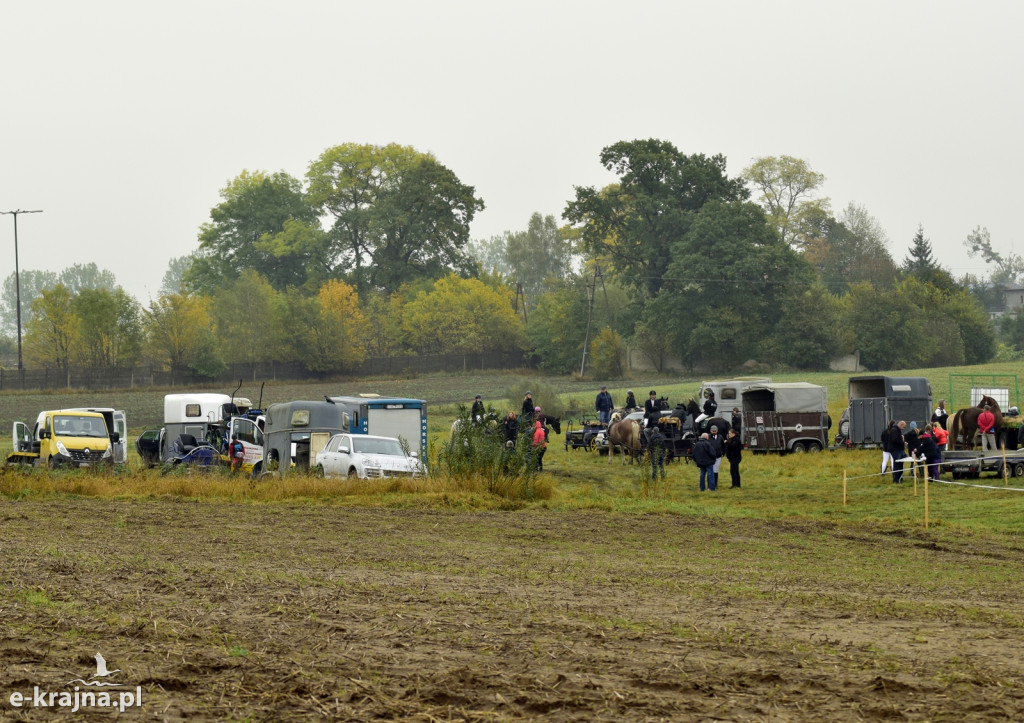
(678, 431)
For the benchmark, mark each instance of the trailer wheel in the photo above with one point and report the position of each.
(1018, 469)
(799, 448)
(813, 447)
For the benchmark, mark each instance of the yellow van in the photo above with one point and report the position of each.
(64, 438)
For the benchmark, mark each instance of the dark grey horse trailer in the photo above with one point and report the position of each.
(877, 400)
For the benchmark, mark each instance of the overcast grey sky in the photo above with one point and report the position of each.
(123, 120)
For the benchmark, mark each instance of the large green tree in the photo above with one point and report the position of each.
(537, 254)
(636, 221)
(787, 186)
(727, 286)
(254, 209)
(398, 214)
(110, 326)
(847, 250)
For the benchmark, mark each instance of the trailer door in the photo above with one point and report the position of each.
(764, 431)
(399, 423)
(868, 420)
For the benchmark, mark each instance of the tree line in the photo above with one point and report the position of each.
(370, 255)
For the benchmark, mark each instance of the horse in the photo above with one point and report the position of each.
(706, 425)
(967, 420)
(624, 432)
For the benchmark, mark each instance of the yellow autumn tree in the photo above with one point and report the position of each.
(327, 333)
(53, 332)
(463, 316)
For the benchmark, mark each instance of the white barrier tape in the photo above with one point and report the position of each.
(984, 487)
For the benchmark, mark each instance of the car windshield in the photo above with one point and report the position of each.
(377, 446)
(79, 427)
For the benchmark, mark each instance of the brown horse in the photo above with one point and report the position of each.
(624, 432)
(965, 423)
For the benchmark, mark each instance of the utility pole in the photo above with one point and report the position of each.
(591, 294)
(17, 278)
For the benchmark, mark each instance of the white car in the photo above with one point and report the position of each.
(367, 457)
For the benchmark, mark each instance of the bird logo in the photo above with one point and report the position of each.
(101, 672)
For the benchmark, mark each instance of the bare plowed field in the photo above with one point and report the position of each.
(284, 613)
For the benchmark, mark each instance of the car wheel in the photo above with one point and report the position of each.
(352, 472)
(319, 471)
(52, 463)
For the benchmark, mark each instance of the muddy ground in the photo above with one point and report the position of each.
(284, 613)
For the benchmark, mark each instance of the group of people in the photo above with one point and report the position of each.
(900, 443)
(709, 451)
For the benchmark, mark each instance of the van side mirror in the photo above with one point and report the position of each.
(115, 437)
(343, 450)
(44, 434)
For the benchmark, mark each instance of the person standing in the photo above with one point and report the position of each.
(540, 444)
(477, 412)
(651, 412)
(528, 407)
(898, 450)
(718, 442)
(237, 453)
(656, 449)
(941, 436)
(511, 426)
(604, 405)
(940, 415)
(704, 458)
(886, 454)
(737, 419)
(631, 401)
(930, 451)
(734, 453)
(987, 429)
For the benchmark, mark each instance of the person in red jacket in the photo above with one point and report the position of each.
(986, 428)
(941, 435)
(540, 444)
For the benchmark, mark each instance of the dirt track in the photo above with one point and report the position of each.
(289, 613)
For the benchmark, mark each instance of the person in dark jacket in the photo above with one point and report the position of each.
(737, 419)
(477, 412)
(604, 405)
(886, 454)
(898, 450)
(651, 412)
(656, 449)
(704, 457)
(929, 449)
(912, 439)
(631, 401)
(718, 443)
(940, 414)
(734, 453)
(710, 405)
(528, 406)
(511, 426)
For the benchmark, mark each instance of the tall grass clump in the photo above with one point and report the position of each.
(476, 458)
